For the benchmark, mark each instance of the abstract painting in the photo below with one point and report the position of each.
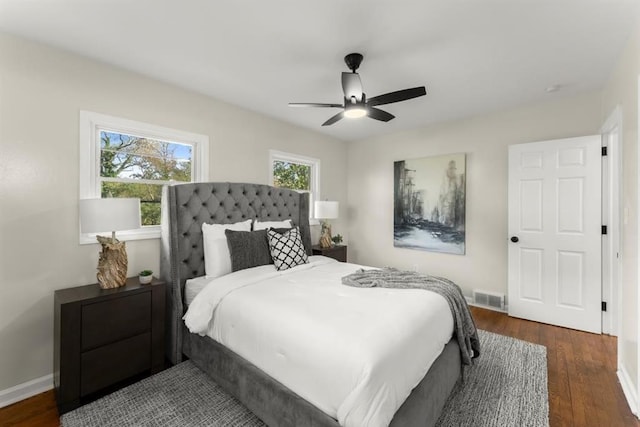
(429, 203)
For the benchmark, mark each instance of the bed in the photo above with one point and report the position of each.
(185, 208)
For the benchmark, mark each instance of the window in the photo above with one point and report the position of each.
(124, 158)
(296, 172)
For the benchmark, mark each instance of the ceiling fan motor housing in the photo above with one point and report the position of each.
(353, 61)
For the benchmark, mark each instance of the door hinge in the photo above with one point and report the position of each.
(604, 151)
(604, 306)
(604, 229)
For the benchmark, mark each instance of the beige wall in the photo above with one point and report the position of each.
(41, 92)
(622, 91)
(485, 140)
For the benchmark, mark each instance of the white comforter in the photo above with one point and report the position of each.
(354, 353)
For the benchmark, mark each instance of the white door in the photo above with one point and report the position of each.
(555, 232)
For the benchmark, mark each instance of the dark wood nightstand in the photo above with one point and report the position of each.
(105, 336)
(338, 252)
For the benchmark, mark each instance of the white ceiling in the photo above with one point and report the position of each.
(474, 56)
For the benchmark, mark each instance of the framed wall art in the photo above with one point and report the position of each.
(429, 203)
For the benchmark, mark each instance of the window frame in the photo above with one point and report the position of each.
(91, 124)
(281, 156)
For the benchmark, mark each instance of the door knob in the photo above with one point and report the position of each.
(514, 239)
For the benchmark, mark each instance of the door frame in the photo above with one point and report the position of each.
(611, 132)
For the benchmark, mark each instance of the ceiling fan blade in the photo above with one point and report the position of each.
(378, 114)
(352, 86)
(397, 96)
(334, 119)
(311, 104)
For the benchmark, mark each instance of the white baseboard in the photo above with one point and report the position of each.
(628, 389)
(25, 390)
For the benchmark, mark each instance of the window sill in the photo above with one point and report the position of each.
(149, 232)
(314, 222)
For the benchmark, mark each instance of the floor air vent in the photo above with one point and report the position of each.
(489, 299)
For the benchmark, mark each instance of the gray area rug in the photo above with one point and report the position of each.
(506, 387)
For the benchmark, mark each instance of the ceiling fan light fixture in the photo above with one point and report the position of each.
(355, 112)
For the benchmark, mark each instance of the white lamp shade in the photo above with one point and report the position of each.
(325, 209)
(111, 214)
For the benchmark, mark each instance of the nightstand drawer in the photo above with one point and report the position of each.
(337, 252)
(114, 319)
(115, 362)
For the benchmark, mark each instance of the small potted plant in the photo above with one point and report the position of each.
(337, 239)
(145, 277)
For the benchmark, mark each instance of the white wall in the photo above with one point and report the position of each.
(622, 91)
(485, 140)
(42, 90)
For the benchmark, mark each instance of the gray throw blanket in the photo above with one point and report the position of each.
(465, 328)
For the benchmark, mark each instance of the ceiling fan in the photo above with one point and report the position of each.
(356, 103)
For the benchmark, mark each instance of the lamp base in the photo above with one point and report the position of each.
(112, 264)
(325, 235)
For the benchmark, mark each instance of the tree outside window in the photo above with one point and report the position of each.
(291, 175)
(132, 166)
(296, 172)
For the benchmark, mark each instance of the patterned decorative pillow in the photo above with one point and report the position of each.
(286, 249)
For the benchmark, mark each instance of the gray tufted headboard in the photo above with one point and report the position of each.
(185, 207)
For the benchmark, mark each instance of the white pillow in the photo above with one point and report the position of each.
(217, 260)
(257, 225)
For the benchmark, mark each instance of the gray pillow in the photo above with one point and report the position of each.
(248, 249)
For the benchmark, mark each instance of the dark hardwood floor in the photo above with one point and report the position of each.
(583, 387)
(39, 410)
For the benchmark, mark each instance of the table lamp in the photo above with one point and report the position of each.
(325, 210)
(110, 214)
